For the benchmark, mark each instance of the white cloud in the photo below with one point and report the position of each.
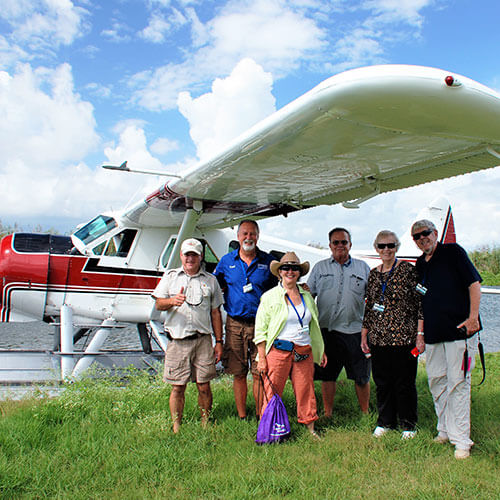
(99, 90)
(163, 146)
(393, 11)
(132, 147)
(271, 33)
(155, 31)
(45, 24)
(234, 105)
(46, 128)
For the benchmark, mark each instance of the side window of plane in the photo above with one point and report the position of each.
(233, 245)
(120, 244)
(167, 252)
(99, 248)
(210, 260)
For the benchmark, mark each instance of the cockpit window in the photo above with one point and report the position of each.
(95, 228)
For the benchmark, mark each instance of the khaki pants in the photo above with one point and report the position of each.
(450, 390)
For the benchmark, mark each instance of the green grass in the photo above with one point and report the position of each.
(100, 441)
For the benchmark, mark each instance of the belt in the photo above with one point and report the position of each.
(189, 337)
(245, 321)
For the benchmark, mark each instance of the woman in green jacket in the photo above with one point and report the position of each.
(288, 338)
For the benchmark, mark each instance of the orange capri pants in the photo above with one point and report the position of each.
(280, 366)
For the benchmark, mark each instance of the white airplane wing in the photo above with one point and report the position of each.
(359, 133)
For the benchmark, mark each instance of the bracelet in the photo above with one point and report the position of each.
(218, 341)
(420, 333)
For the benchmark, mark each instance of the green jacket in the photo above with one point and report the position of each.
(273, 313)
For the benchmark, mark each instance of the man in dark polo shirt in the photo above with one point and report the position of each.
(451, 290)
(243, 275)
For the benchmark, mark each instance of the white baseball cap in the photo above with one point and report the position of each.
(191, 245)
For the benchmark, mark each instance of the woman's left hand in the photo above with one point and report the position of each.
(324, 361)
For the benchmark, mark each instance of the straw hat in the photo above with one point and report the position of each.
(289, 258)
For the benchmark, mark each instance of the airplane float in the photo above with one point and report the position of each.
(357, 134)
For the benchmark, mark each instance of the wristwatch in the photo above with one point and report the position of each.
(420, 333)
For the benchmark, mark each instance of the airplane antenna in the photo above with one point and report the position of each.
(124, 168)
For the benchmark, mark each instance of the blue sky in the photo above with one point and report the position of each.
(163, 83)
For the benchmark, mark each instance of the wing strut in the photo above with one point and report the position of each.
(191, 218)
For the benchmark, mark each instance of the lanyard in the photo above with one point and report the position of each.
(384, 283)
(244, 270)
(295, 309)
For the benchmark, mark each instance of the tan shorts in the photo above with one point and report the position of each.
(190, 361)
(239, 350)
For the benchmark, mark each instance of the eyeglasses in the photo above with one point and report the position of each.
(339, 242)
(425, 232)
(290, 267)
(381, 246)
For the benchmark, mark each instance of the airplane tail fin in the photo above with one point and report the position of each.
(439, 212)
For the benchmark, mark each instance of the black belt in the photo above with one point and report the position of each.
(245, 321)
(189, 337)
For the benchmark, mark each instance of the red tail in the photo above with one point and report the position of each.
(448, 235)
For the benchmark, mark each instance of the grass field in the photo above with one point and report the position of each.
(100, 441)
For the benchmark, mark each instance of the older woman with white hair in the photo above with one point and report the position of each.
(392, 328)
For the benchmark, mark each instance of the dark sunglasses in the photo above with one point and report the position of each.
(339, 242)
(381, 246)
(290, 267)
(417, 236)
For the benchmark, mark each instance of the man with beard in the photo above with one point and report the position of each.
(243, 275)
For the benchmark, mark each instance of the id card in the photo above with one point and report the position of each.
(379, 307)
(304, 329)
(421, 289)
(247, 288)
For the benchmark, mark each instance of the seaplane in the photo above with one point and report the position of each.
(356, 135)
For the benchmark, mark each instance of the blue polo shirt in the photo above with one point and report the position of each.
(447, 277)
(233, 274)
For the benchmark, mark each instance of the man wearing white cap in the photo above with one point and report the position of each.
(192, 298)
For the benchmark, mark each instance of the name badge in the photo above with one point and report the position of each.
(247, 288)
(379, 307)
(304, 329)
(421, 289)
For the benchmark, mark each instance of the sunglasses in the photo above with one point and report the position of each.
(290, 267)
(339, 242)
(381, 246)
(417, 236)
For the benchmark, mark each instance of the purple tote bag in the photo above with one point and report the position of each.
(274, 425)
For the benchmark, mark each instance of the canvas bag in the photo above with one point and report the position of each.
(274, 425)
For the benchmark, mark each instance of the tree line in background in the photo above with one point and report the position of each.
(486, 259)
(16, 228)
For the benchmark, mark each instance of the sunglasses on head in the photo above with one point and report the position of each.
(339, 242)
(417, 236)
(290, 267)
(381, 246)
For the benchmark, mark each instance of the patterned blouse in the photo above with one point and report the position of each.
(397, 324)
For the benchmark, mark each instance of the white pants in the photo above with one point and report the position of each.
(450, 390)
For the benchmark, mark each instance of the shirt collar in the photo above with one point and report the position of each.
(347, 263)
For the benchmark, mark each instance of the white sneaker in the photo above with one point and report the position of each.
(380, 431)
(408, 434)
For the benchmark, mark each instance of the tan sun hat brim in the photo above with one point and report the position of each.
(289, 258)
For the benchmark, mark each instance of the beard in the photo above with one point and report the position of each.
(248, 245)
